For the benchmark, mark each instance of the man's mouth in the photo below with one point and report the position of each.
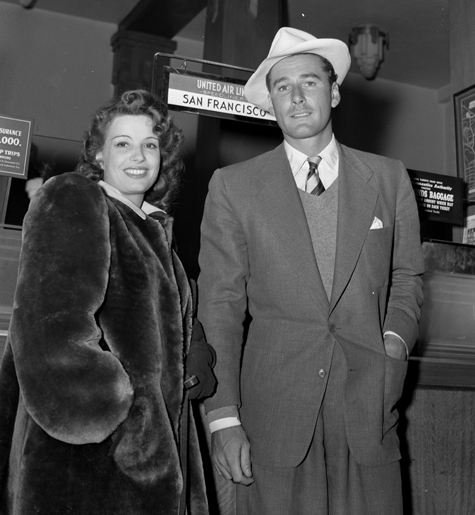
(300, 114)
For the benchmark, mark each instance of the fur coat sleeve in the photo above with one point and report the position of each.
(73, 390)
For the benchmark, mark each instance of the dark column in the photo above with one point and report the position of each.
(239, 33)
(133, 59)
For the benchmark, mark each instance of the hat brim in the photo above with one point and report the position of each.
(333, 50)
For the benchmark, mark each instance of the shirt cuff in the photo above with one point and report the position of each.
(223, 423)
(395, 334)
(221, 418)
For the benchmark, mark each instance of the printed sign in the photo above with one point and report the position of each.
(210, 95)
(439, 197)
(15, 142)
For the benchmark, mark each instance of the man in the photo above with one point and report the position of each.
(326, 260)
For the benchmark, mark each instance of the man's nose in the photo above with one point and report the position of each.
(298, 96)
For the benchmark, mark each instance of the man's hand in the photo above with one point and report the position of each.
(395, 347)
(231, 454)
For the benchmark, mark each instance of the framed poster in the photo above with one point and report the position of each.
(15, 143)
(469, 230)
(464, 104)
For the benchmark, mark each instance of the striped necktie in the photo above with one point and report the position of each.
(313, 183)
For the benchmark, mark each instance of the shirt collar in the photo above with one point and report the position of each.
(328, 168)
(330, 155)
(297, 159)
(147, 208)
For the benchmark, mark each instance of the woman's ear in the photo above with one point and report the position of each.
(99, 159)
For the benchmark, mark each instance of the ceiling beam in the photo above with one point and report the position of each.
(165, 18)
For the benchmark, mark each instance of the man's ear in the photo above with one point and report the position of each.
(270, 107)
(336, 97)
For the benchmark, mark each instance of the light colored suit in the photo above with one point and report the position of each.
(257, 253)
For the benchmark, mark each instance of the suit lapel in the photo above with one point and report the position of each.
(356, 206)
(279, 198)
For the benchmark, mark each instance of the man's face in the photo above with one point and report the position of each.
(301, 99)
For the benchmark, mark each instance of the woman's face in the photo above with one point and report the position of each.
(130, 157)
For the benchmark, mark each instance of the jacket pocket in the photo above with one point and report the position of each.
(261, 382)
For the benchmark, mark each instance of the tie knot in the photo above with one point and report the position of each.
(313, 163)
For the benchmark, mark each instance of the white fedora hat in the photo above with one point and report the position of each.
(287, 42)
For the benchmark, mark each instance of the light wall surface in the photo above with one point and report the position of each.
(56, 69)
(395, 120)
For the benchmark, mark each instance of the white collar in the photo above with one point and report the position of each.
(297, 159)
(113, 192)
(328, 167)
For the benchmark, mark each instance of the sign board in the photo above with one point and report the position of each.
(211, 95)
(15, 143)
(439, 197)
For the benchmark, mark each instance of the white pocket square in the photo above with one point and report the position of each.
(377, 224)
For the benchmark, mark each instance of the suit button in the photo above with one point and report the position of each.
(332, 328)
(322, 373)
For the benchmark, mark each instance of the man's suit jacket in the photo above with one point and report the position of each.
(257, 255)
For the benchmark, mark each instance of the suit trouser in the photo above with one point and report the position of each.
(328, 481)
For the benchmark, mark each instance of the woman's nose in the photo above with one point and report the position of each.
(138, 155)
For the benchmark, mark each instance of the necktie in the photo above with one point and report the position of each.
(313, 184)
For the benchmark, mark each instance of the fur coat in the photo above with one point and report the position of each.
(92, 406)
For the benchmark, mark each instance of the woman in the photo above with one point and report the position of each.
(92, 403)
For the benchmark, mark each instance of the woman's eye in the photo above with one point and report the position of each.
(122, 143)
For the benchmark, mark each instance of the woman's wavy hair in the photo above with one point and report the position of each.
(138, 102)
